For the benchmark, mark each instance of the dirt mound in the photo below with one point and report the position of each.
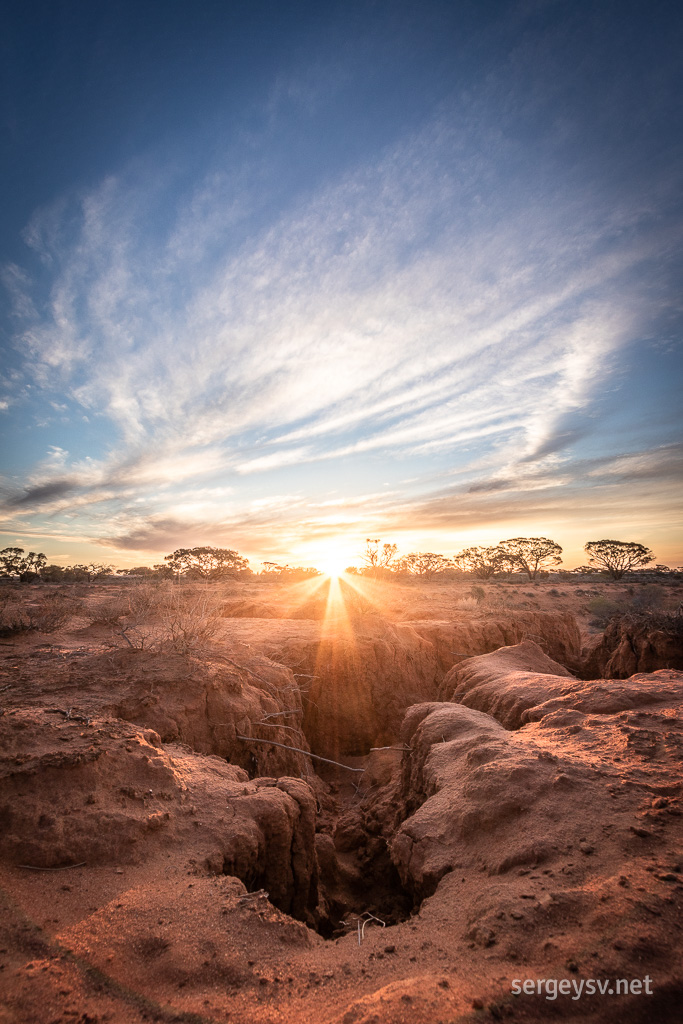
(207, 703)
(633, 644)
(507, 682)
(520, 684)
(575, 818)
(468, 784)
(557, 633)
(102, 791)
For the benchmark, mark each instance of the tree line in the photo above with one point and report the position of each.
(534, 556)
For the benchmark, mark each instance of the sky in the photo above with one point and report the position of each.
(279, 276)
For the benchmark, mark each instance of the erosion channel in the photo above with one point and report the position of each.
(337, 821)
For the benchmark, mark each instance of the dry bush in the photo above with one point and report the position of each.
(190, 620)
(132, 606)
(14, 616)
(45, 614)
(670, 623)
(52, 611)
(184, 621)
(111, 611)
(467, 603)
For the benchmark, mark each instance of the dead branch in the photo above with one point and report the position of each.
(298, 750)
(274, 725)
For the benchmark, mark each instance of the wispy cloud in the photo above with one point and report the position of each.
(422, 306)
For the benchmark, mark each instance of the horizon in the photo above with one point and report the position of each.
(336, 566)
(287, 277)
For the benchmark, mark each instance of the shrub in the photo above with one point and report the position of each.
(603, 609)
(53, 611)
(189, 621)
(183, 621)
(13, 614)
(648, 599)
(132, 606)
(478, 593)
(467, 603)
(44, 615)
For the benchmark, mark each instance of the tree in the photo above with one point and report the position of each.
(206, 563)
(531, 554)
(290, 573)
(483, 562)
(87, 573)
(617, 556)
(52, 574)
(158, 572)
(376, 557)
(423, 563)
(13, 562)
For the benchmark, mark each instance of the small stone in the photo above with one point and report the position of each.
(638, 830)
(586, 848)
(572, 965)
(477, 1004)
(390, 949)
(668, 876)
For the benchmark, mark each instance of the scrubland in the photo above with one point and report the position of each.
(340, 802)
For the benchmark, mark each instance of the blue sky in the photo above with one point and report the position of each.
(281, 276)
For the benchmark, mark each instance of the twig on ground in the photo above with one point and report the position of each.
(298, 750)
(68, 715)
(60, 867)
(404, 747)
(246, 897)
(361, 922)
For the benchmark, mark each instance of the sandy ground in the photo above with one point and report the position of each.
(156, 866)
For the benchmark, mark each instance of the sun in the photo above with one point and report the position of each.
(332, 566)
